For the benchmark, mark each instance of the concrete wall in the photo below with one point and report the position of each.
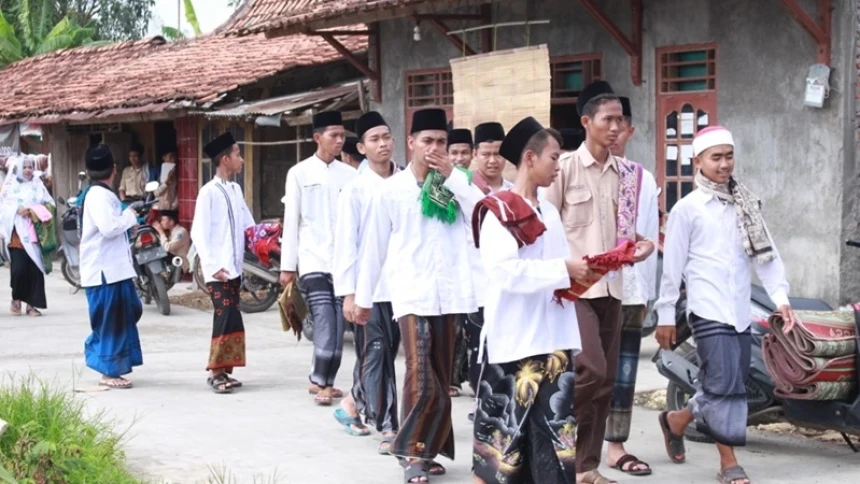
(793, 157)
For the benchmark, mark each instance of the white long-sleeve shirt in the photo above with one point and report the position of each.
(105, 248)
(468, 195)
(310, 214)
(213, 228)
(352, 208)
(703, 247)
(429, 258)
(520, 317)
(640, 280)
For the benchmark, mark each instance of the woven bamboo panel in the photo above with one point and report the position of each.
(503, 86)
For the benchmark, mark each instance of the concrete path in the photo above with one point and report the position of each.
(179, 429)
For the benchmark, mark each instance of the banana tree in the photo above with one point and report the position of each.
(35, 35)
(173, 33)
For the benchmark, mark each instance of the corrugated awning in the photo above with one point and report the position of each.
(293, 105)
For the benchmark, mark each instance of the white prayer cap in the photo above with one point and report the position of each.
(710, 137)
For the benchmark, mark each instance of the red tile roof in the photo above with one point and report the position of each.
(150, 72)
(294, 15)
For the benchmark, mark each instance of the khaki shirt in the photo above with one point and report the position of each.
(177, 243)
(133, 182)
(166, 194)
(586, 195)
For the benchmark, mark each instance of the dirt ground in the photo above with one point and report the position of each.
(195, 300)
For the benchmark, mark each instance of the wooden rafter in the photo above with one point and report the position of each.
(373, 74)
(455, 39)
(820, 29)
(632, 45)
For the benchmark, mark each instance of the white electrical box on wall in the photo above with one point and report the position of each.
(817, 86)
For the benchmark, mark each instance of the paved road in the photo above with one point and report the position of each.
(179, 429)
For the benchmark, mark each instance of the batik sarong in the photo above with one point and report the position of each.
(425, 424)
(113, 348)
(375, 394)
(621, 408)
(227, 349)
(327, 314)
(524, 425)
(720, 402)
(460, 369)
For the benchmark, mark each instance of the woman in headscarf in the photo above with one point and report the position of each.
(24, 197)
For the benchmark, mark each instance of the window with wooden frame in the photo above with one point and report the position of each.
(570, 75)
(242, 131)
(686, 103)
(429, 88)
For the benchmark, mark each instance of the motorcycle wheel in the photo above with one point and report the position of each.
(676, 397)
(70, 274)
(159, 293)
(257, 296)
(198, 275)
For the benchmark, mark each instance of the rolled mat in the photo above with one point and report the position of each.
(816, 360)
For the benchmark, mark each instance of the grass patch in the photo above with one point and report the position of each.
(221, 475)
(52, 439)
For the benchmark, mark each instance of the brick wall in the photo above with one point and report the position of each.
(186, 138)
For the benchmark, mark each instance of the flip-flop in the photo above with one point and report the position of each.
(387, 440)
(595, 477)
(634, 462)
(322, 400)
(453, 392)
(674, 443)
(233, 383)
(116, 383)
(352, 425)
(732, 474)
(335, 393)
(217, 381)
(414, 472)
(432, 467)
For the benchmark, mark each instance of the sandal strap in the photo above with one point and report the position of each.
(734, 473)
(415, 470)
(629, 459)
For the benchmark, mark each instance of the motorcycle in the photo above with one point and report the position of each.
(260, 268)
(70, 242)
(156, 272)
(680, 367)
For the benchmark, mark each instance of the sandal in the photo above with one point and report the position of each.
(219, 383)
(233, 383)
(415, 472)
(732, 475)
(335, 393)
(631, 469)
(118, 383)
(353, 425)
(322, 400)
(434, 468)
(16, 308)
(385, 445)
(453, 392)
(31, 311)
(674, 443)
(594, 477)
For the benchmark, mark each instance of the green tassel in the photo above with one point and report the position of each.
(429, 208)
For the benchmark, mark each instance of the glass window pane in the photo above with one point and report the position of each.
(691, 56)
(702, 120)
(671, 195)
(687, 122)
(686, 188)
(206, 176)
(671, 160)
(573, 81)
(672, 125)
(686, 86)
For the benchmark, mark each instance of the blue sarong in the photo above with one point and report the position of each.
(113, 348)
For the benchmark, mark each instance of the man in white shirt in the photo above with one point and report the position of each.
(218, 231)
(430, 286)
(460, 147)
(715, 235)
(350, 154)
(531, 338)
(374, 390)
(107, 274)
(639, 287)
(310, 216)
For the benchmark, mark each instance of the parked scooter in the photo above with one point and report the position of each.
(70, 242)
(156, 271)
(681, 368)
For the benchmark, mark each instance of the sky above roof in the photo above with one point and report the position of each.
(210, 14)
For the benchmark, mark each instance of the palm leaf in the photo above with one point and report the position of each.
(172, 33)
(191, 17)
(45, 15)
(25, 24)
(10, 46)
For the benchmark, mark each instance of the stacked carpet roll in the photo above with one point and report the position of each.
(816, 360)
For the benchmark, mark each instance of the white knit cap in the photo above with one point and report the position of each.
(710, 137)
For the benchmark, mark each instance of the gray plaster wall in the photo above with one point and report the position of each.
(794, 158)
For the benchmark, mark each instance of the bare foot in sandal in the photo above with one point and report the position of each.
(15, 308)
(116, 382)
(618, 458)
(31, 311)
(733, 475)
(592, 477)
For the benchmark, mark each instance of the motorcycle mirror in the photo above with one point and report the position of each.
(73, 200)
(82, 175)
(151, 186)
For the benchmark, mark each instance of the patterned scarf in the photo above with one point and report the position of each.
(629, 184)
(513, 212)
(756, 240)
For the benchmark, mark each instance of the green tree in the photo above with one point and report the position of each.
(34, 31)
(112, 19)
